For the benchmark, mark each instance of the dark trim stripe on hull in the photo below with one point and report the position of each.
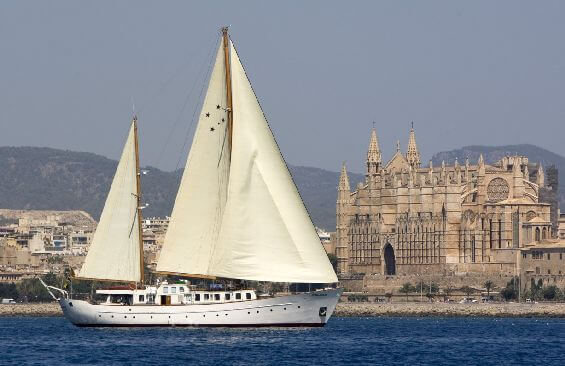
(281, 325)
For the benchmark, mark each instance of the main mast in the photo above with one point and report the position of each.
(138, 196)
(226, 41)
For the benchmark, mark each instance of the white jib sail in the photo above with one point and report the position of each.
(197, 214)
(114, 253)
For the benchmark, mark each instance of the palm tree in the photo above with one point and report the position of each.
(488, 285)
(447, 292)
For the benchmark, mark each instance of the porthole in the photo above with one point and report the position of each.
(284, 308)
(100, 316)
(169, 317)
(134, 316)
(257, 311)
(299, 306)
(226, 314)
(125, 316)
(271, 309)
(112, 316)
(217, 314)
(248, 312)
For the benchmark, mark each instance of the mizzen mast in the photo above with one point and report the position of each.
(138, 196)
(226, 42)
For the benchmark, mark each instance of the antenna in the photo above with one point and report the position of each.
(132, 105)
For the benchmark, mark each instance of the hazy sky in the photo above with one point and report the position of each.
(480, 72)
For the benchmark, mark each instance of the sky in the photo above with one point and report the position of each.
(466, 73)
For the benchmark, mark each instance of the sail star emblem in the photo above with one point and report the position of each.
(207, 114)
(212, 129)
(218, 106)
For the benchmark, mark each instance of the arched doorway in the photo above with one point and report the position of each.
(390, 261)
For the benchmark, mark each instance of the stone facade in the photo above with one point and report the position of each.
(448, 220)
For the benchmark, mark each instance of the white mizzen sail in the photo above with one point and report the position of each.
(115, 251)
(262, 232)
(197, 214)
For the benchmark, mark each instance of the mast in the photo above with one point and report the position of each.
(138, 196)
(226, 41)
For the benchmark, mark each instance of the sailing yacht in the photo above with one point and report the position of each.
(237, 215)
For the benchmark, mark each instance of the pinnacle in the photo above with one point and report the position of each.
(481, 160)
(374, 152)
(343, 179)
(412, 153)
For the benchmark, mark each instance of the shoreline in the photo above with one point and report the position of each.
(349, 309)
(437, 309)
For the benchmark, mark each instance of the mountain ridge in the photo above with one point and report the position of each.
(45, 178)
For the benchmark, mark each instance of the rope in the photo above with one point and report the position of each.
(185, 103)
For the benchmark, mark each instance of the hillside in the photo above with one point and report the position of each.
(52, 179)
(492, 154)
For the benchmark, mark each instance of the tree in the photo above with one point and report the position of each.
(434, 288)
(420, 287)
(550, 292)
(447, 291)
(8, 291)
(406, 289)
(467, 290)
(31, 290)
(511, 290)
(488, 285)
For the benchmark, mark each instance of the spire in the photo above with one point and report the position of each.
(481, 164)
(373, 154)
(343, 179)
(412, 153)
(540, 176)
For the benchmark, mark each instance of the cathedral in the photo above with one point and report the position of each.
(405, 218)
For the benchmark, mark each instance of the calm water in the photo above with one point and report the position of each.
(351, 341)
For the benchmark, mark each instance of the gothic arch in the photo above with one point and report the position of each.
(390, 260)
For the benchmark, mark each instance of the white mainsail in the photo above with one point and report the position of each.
(115, 252)
(261, 231)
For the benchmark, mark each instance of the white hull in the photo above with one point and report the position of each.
(306, 309)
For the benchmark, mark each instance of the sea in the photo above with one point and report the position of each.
(344, 341)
